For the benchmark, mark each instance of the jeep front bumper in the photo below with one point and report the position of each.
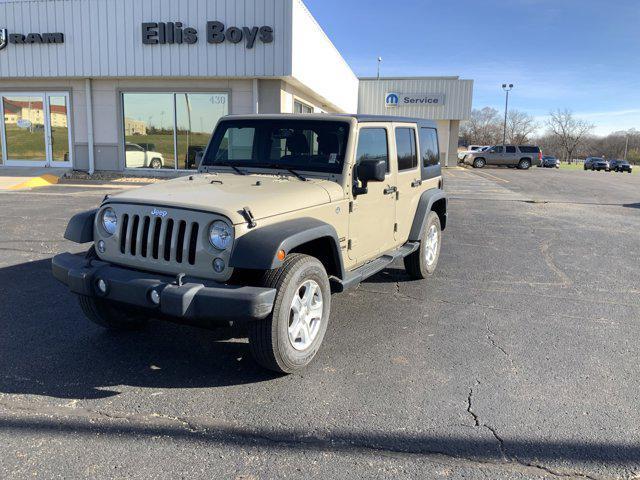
(196, 301)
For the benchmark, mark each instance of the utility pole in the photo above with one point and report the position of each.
(507, 87)
(379, 62)
(626, 147)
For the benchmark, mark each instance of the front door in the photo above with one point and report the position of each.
(372, 217)
(35, 129)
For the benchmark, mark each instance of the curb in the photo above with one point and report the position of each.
(41, 181)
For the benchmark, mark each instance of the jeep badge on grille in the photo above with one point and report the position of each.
(159, 213)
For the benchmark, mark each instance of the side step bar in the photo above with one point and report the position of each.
(354, 278)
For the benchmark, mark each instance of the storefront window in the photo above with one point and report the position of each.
(299, 107)
(24, 128)
(160, 128)
(197, 115)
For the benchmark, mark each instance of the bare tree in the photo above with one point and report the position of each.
(568, 131)
(520, 127)
(482, 128)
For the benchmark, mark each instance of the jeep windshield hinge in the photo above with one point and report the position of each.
(246, 213)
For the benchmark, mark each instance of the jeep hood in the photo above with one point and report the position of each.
(227, 194)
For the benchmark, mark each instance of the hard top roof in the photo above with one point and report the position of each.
(360, 118)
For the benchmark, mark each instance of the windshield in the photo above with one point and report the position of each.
(306, 145)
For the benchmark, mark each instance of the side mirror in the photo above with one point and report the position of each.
(371, 171)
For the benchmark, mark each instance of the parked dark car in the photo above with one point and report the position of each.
(596, 163)
(620, 166)
(549, 161)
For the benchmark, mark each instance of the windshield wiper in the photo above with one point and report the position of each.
(276, 166)
(227, 164)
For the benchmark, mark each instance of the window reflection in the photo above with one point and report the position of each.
(197, 115)
(160, 128)
(59, 129)
(24, 127)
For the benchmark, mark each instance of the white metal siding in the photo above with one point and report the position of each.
(458, 97)
(103, 38)
(318, 65)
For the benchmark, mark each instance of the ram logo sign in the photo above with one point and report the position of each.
(3, 38)
(392, 100)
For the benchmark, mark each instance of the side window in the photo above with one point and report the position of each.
(511, 149)
(406, 146)
(497, 150)
(429, 147)
(373, 145)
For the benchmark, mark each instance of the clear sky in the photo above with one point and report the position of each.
(578, 54)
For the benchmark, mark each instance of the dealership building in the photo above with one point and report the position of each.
(121, 85)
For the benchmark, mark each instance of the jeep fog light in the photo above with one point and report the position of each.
(102, 286)
(155, 297)
(101, 246)
(219, 265)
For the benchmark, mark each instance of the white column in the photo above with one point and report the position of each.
(90, 143)
(256, 96)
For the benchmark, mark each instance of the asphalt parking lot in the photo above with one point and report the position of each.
(519, 359)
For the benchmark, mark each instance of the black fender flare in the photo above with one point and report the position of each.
(80, 227)
(257, 250)
(425, 205)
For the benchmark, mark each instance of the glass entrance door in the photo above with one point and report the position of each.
(35, 129)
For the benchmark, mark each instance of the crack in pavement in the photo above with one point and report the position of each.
(548, 259)
(222, 431)
(510, 459)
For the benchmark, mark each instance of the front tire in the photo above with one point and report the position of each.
(156, 164)
(479, 163)
(423, 262)
(110, 315)
(288, 340)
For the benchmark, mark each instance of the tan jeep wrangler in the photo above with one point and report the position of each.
(284, 211)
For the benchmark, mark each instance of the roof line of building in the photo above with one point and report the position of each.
(452, 77)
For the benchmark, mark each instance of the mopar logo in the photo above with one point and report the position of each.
(159, 213)
(392, 100)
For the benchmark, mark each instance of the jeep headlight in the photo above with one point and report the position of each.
(220, 235)
(109, 221)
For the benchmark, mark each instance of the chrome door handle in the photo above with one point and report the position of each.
(416, 183)
(390, 190)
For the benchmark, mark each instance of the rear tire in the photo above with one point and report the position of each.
(303, 299)
(479, 163)
(524, 164)
(423, 262)
(156, 164)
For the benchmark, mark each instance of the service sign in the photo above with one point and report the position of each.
(414, 99)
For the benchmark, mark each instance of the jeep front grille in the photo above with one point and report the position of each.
(153, 238)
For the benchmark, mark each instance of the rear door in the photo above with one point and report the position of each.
(409, 178)
(510, 156)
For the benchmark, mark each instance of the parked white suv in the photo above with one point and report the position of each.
(471, 149)
(138, 157)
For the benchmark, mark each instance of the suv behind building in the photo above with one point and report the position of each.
(522, 157)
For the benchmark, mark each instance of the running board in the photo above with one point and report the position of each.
(360, 274)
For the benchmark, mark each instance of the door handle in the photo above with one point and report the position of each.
(390, 190)
(416, 183)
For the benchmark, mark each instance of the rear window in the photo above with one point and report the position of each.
(511, 149)
(529, 149)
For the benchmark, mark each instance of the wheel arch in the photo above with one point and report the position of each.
(258, 249)
(80, 227)
(434, 200)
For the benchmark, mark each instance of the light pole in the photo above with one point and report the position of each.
(626, 148)
(507, 87)
(379, 62)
